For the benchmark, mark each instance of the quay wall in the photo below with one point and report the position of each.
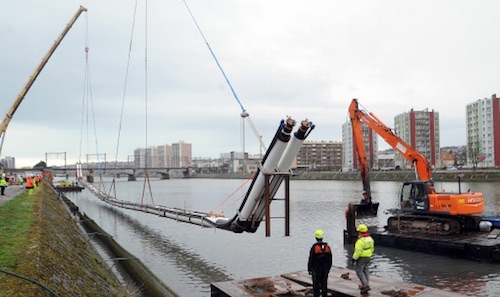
(446, 176)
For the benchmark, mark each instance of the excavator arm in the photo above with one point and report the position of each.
(420, 163)
(357, 132)
(5, 122)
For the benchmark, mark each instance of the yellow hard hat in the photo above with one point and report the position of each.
(362, 228)
(319, 234)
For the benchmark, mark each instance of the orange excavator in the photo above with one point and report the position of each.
(422, 209)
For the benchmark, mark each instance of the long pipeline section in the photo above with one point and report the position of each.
(278, 159)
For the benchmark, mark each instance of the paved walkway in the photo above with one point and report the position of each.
(11, 192)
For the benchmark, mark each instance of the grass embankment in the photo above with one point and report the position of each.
(39, 240)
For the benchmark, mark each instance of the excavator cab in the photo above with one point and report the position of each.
(415, 195)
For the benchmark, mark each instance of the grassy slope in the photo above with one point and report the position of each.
(39, 240)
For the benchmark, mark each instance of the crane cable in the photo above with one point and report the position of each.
(244, 113)
(146, 176)
(87, 102)
(125, 84)
(113, 183)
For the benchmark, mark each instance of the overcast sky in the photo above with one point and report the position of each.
(305, 59)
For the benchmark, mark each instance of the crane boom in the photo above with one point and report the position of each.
(422, 166)
(31, 80)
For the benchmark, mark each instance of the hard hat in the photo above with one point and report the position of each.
(319, 234)
(362, 228)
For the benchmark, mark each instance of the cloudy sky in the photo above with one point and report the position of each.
(305, 59)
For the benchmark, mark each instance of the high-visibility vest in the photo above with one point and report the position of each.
(364, 248)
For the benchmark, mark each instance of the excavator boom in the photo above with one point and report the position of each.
(5, 122)
(422, 166)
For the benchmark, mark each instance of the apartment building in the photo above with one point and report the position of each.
(320, 155)
(420, 129)
(350, 160)
(483, 132)
(182, 154)
(164, 156)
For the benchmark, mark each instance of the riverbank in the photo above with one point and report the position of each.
(41, 242)
(396, 175)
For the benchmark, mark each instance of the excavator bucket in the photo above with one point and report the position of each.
(366, 209)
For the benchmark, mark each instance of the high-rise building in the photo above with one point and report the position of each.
(483, 132)
(420, 129)
(320, 155)
(350, 160)
(142, 158)
(8, 162)
(182, 154)
(164, 156)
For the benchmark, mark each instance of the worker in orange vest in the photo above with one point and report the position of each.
(29, 184)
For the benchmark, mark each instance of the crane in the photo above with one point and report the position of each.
(10, 113)
(423, 209)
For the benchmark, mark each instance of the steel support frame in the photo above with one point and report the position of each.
(286, 199)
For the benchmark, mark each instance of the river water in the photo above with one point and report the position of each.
(188, 257)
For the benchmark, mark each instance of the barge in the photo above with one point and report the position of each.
(341, 282)
(478, 246)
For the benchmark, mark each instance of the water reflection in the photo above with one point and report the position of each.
(188, 258)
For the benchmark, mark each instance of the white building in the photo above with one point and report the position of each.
(350, 159)
(483, 132)
(177, 155)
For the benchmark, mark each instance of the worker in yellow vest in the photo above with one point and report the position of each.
(363, 251)
(3, 184)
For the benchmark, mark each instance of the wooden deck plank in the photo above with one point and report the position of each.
(342, 281)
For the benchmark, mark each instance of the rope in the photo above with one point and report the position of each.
(34, 281)
(230, 195)
(243, 110)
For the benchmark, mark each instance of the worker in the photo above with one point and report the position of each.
(3, 185)
(319, 264)
(366, 198)
(363, 251)
(29, 184)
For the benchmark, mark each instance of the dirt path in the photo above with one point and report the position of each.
(11, 192)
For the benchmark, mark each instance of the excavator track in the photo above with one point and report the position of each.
(423, 224)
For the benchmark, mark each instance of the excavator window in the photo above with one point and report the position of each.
(421, 200)
(414, 196)
(406, 193)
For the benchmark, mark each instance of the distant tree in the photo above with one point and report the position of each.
(474, 153)
(40, 165)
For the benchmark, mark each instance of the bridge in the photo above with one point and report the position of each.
(131, 172)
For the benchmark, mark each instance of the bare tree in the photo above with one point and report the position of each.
(474, 153)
